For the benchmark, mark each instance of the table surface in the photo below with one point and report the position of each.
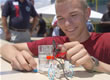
(36, 38)
(6, 73)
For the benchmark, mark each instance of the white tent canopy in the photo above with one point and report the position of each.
(50, 10)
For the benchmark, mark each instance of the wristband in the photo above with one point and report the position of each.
(95, 64)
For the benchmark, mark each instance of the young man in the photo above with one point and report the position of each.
(72, 16)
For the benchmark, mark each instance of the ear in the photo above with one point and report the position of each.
(88, 12)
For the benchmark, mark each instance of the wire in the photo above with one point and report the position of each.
(51, 73)
(62, 69)
(55, 53)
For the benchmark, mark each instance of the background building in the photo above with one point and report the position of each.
(98, 5)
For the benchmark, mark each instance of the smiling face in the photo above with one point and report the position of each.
(72, 18)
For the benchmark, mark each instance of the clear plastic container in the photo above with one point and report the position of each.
(44, 63)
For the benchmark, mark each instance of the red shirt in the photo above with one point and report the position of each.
(97, 45)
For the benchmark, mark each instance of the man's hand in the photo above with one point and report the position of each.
(77, 54)
(23, 61)
(7, 36)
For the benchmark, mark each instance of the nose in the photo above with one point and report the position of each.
(68, 22)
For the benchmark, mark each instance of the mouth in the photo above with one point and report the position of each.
(71, 30)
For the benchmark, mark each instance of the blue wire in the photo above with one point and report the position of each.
(53, 73)
(35, 70)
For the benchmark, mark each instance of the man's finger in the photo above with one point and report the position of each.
(73, 51)
(15, 64)
(69, 45)
(30, 59)
(82, 60)
(78, 56)
(23, 62)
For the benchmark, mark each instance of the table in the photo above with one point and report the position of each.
(103, 27)
(6, 73)
(36, 38)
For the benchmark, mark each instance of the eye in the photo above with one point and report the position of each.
(73, 15)
(60, 19)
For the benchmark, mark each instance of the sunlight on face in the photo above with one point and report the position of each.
(72, 18)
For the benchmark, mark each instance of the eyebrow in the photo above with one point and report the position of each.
(74, 11)
(69, 13)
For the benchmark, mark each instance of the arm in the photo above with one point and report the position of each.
(103, 67)
(77, 55)
(6, 30)
(19, 56)
(5, 13)
(35, 18)
(34, 23)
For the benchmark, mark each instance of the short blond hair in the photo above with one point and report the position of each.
(83, 2)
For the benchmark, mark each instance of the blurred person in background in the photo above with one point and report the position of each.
(55, 27)
(34, 32)
(41, 27)
(106, 16)
(105, 21)
(56, 31)
(32, 1)
(19, 12)
(90, 26)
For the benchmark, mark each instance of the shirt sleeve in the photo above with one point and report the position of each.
(6, 9)
(33, 11)
(104, 48)
(107, 47)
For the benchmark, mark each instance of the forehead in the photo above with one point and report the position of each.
(68, 6)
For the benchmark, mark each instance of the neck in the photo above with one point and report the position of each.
(84, 37)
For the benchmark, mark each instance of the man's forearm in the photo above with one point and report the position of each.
(9, 53)
(103, 67)
(35, 21)
(4, 23)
